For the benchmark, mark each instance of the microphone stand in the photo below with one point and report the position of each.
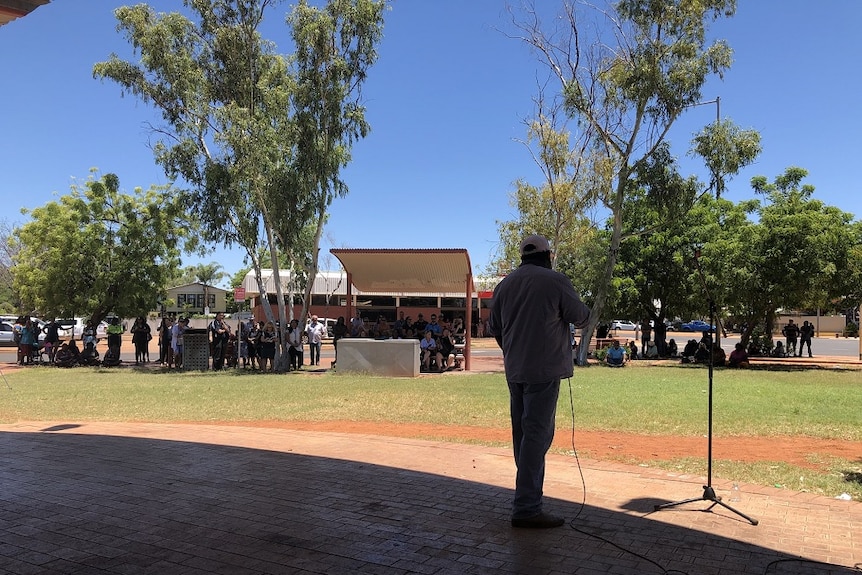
(708, 491)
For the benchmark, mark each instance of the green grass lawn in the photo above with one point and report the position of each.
(644, 400)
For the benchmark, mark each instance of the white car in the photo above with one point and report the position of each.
(623, 324)
(75, 327)
(7, 335)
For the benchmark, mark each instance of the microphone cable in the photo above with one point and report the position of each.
(583, 504)
(772, 566)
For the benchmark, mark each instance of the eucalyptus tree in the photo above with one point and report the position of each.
(9, 247)
(558, 207)
(259, 137)
(626, 80)
(98, 250)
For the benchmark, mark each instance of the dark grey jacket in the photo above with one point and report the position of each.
(533, 307)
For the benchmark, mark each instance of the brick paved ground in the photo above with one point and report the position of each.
(195, 499)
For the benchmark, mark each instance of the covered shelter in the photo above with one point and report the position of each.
(410, 271)
(13, 9)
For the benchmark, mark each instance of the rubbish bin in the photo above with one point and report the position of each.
(196, 350)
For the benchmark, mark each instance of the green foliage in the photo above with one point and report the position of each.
(625, 84)
(261, 138)
(794, 256)
(726, 149)
(851, 330)
(98, 250)
(9, 246)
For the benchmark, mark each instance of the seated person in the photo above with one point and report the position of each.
(64, 357)
(672, 349)
(616, 355)
(778, 350)
(382, 330)
(689, 351)
(738, 357)
(419, 325)
(651, 351)
(357, 326)
(702, 353)
(434, 327)
(429, 348)
(447, 347)
(458, 331)
(633, 350)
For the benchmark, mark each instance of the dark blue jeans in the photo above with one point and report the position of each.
(533, 408)
(314, 352)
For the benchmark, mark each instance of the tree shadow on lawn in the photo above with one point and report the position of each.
(86, 502)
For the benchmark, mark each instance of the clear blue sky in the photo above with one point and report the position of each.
(446, 102)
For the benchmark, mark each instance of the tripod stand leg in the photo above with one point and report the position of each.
(708, 495)
(728, 507)
(675, 503)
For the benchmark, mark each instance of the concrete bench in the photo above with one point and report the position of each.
(389, 357)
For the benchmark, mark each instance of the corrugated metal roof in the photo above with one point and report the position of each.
(408, 271)
(326, 282)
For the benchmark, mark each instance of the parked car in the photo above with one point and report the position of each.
(10, 320)
(623, 324)
(7, 336)
(75, 326)
(697, 325)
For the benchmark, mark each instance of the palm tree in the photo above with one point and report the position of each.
(208, 275)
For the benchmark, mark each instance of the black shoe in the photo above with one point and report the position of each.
(540, 521)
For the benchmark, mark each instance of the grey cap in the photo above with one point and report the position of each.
(534, 244)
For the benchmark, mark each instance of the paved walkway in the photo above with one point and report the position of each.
(197, 500)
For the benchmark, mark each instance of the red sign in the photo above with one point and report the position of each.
(239, 294)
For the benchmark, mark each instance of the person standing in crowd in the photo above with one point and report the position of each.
(52, 338)
(646, 334)
(806, 333)
(294, 340)
(791, 332)
(115, 333)
(219, 334)
(533, 307)
(165, 349)
(141, 337)
(253, 343)
(28, 342)
(266, 347)
(178, 331)
(315, 331)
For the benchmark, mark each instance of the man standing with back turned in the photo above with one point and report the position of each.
(533, 307)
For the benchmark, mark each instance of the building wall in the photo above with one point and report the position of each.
(195, 292)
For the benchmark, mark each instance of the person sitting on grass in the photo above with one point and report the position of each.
(633, 350)
(651, 351)
(778, 350)
(689, 351)
(616, 355)
(738, 357)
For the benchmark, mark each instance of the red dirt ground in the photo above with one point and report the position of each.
(610, 445)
